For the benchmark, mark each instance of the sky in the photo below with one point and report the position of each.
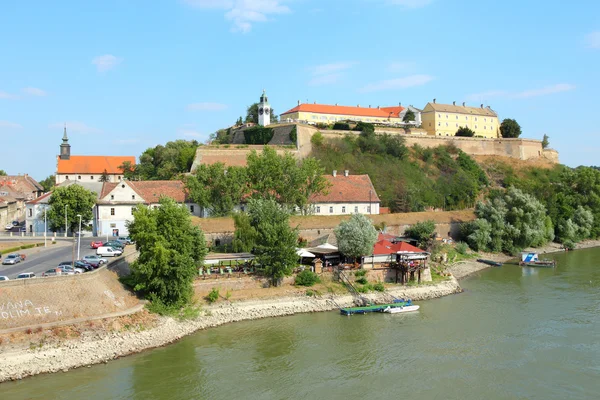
(128, 75)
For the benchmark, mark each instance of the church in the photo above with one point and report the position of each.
(87, 168)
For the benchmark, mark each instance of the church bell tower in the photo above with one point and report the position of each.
(65, 147)
(264, 110)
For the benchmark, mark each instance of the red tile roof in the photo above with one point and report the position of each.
(387, 247)
(93, 164)
(348, 189)
(382, 112)
(21, 184)
(39, 199)
(151, 191)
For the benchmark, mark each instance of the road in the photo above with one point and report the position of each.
(44, 260)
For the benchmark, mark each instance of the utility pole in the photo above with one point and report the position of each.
(45, 225)
(79, 237)
(66, 229)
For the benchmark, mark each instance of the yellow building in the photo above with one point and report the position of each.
(323, 113)
(445, 119)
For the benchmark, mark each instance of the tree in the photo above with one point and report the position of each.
(258, 135)
(129, 170)
(252, 114)
(509, 128)
(77, 200)
(356, 236)
(3, 172)
(239, 121)
(423, 232)
(545, 141)
(170, 248)
(244, 237)
(48, 183)
(217, 188)
(409, 116)
(464, 131)
(167, 162)
(275, 246)
(104, 177)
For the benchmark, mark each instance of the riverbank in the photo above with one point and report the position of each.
(102, 346)
(465, 268)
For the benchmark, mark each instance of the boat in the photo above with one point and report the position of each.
(532, 260)
(397, 310)
(490, 262)
(398, 303)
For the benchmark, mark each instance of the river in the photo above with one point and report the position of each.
(515, 333)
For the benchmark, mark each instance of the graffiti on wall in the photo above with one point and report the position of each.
(23, 309)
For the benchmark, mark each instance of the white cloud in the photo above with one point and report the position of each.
(399, 83)
(552, 89)
(410, 3)
(400, 66)
(331, 68)
(106, 62)
(34, 91)
(9, 125)
(243, 13)
(592, 40)
(75, 127)
(206, 107)
(5, 95)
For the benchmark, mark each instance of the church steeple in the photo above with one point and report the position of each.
(264, 110)
(65, 147)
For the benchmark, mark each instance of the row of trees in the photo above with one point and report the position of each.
(219, 188)
(509, 128)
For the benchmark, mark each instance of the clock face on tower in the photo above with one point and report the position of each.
(266, 111)
(260, 111)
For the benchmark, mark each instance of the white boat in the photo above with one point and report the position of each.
(395, 310)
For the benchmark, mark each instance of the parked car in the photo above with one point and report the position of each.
(125, 239)
(8, 227)
(92, 264)
(95, 245)
(87, 267)
(107, 251)
(4, 278)
(68, 266)
(52, 272)
(115, 244)
(11, 259)
(26, 275)
(95, 258)
(15, 223)
(23, 229)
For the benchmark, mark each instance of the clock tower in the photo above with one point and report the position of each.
(264, 110)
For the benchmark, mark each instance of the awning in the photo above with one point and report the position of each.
(305, 254)
(327, 246)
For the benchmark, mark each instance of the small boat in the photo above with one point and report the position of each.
(396, 310)
(532, 260)
(490, 262)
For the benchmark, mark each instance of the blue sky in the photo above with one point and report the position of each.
(127, 75)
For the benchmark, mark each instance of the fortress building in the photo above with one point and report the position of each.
(446, 119)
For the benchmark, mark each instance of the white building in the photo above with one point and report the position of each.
(417, 121)
(34, 215)
(348, 194)
(264, 110)
(118, 201)
(88, 168)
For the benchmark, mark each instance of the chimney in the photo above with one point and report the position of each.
(298, 102)
(454, 103)
(379, 108)
(346, 172)
(482, 106)
(369, 106)
(336, 104)
(464, 104)
(433, 101)
(315, 102)
(334, 173)
(358, 105)
(400, 104)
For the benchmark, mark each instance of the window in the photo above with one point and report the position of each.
(430, 124)
(457, 117)
(446, 124)
(356, 209)
(31, 212)
(132, 210)
(79, 177)
(484, 127)
(369, 209)
(330, 210)
(119, 177)
(133, 197)
(344, 209)
(318, 209)
(457, 125)
(475, 118)
(314, 117)
(439, 124)
(112, 211)
(475, 126)
(112, 196)
(446, 116)
(192, 208)
(485, 120)
(466, 118)
(92, 177)
(439, 115)
(67, 177)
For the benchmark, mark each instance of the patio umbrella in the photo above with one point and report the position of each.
(327, 246)
(305, 254)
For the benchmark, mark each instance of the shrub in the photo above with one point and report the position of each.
(306, 278)
(317, 139)
(464, 132)
(360, 272)
(362, 280)
(258, 135)
(569, 244)
(423, 232)
(228, 295)
(341, 126)
(294, 135)
(379, 287)
(213, 295)
(461, 248)
(322, 125)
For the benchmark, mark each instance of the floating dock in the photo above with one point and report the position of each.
(374, 308)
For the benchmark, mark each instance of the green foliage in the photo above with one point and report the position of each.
(365, 127)
(275, 247)
(378, 287)
(469, 165)
(163, 162)
(509, 128)
(509, 222)
(356, 236)
(464, 131)
(360, 272)
(423, 232)
(217, 188)
(169, 248)
(258, 135)
(213, 295)
(362, 280)
(222, 136)
(48, 183)
(244, 238)
(3, 172)
(252, 114)
(294, 135)
(306, 278)
(461, 248)
(545, 141)
(104, 177)
(187, 312)
(77, 200)
(341, 126)
(317, 139)
(409, 116)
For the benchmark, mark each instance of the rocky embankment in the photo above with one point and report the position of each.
(104, 346)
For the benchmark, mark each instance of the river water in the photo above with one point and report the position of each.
(516, 333)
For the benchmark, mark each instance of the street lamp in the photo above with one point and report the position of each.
(45, 225)
(66, 229)
(79, 237)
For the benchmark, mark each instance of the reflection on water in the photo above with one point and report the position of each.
(516, 333)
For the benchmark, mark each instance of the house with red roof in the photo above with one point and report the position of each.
(118, 200)
(88, 168)
(348, 194)
(386, 251)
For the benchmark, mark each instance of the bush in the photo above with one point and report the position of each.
(317, 139)
(461, 248)
(569, 245)
(306, 278)
(213, 295)
(341, 126)
(423, 232)
(258, 135)
(379, 287)
(294, 135)
(360, 272)
(362, 280)
(464, 132)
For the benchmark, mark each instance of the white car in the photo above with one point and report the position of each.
(8, 227)
(4, 278)
(95, 258)
(11, 259)
(26, 275)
